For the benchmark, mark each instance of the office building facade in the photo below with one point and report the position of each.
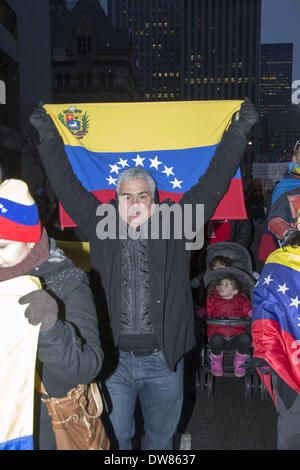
(194, 49)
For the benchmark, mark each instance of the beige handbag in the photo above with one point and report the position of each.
(76, 420)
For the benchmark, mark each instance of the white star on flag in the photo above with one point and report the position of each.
(3, 210)
(155, 162)
(176, 183)
(295, 302)
(111, 180)
(115, 169)
(1, 205)
(282, 288)
(268, 279)
(168, 171)
(298, 319)
(122, 162)
(138, 160)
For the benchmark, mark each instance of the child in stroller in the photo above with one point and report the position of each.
(229, 284)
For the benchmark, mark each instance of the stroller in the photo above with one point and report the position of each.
(241, 269)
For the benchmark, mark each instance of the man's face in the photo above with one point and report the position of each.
(135, 201)
(12, 253)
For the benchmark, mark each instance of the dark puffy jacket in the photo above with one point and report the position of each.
(284, 211)
(238, 306)
(171, 303)
(69, 353)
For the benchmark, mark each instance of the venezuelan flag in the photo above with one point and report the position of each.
(175, 141)
(18, 346)
(276, 315)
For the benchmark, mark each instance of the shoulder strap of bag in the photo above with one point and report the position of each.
(97, 399)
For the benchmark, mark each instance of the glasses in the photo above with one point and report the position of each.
(297, 146)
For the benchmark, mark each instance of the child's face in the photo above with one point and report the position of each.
(226, 290)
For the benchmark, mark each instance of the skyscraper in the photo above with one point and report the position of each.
(275, 77)
(194, 49)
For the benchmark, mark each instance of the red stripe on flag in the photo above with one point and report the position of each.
(10, 230)
(279, 348)
(231, 207)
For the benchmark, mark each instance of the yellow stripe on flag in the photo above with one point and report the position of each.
(286, 257)
(127, 127)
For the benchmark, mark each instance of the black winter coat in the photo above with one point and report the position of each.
(169, 262)
(69, 353)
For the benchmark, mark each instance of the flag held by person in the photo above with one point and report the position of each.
(175, 141)
(276, 316)
(18, 346)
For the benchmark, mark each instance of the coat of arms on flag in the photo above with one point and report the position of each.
(75, 120)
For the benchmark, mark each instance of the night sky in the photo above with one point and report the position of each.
(280, 23)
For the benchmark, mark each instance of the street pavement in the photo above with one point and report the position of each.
(228, 421)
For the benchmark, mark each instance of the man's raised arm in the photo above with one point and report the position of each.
(214, 184)
(76, 200)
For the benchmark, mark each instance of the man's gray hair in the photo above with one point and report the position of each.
(137, 174)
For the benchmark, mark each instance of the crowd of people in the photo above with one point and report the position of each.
(129, 324)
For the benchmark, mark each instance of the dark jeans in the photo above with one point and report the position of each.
(240, 343)
(160, 392)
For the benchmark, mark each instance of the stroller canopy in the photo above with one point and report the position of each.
(241, 267)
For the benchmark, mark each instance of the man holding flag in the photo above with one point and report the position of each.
(146, 280)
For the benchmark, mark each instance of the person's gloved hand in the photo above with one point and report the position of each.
(244, 119)
(42, 309)
(257, 363)
(43, 123)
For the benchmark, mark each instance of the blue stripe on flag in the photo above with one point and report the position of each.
(19, 213)
(173, 170)
(271, 294)
(20, 443)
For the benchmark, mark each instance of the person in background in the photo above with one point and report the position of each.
(286, 200)
(275, 336)
(69, 350)
(237, 231)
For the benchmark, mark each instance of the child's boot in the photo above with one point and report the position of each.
(239, 361)
(216, 364)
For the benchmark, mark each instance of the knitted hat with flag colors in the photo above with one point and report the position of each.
(19, 216)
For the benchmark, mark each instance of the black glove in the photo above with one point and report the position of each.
(244, 119)
(43, 123)
(257, 363)
(42, 309)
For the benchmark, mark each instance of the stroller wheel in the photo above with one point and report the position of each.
(263, 391)
(201, 377)
(210, 385)
(256, 382)
(248, 387)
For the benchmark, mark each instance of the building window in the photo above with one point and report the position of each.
(84, 47)
(85, 81)
(63, 80)
(107, 79)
